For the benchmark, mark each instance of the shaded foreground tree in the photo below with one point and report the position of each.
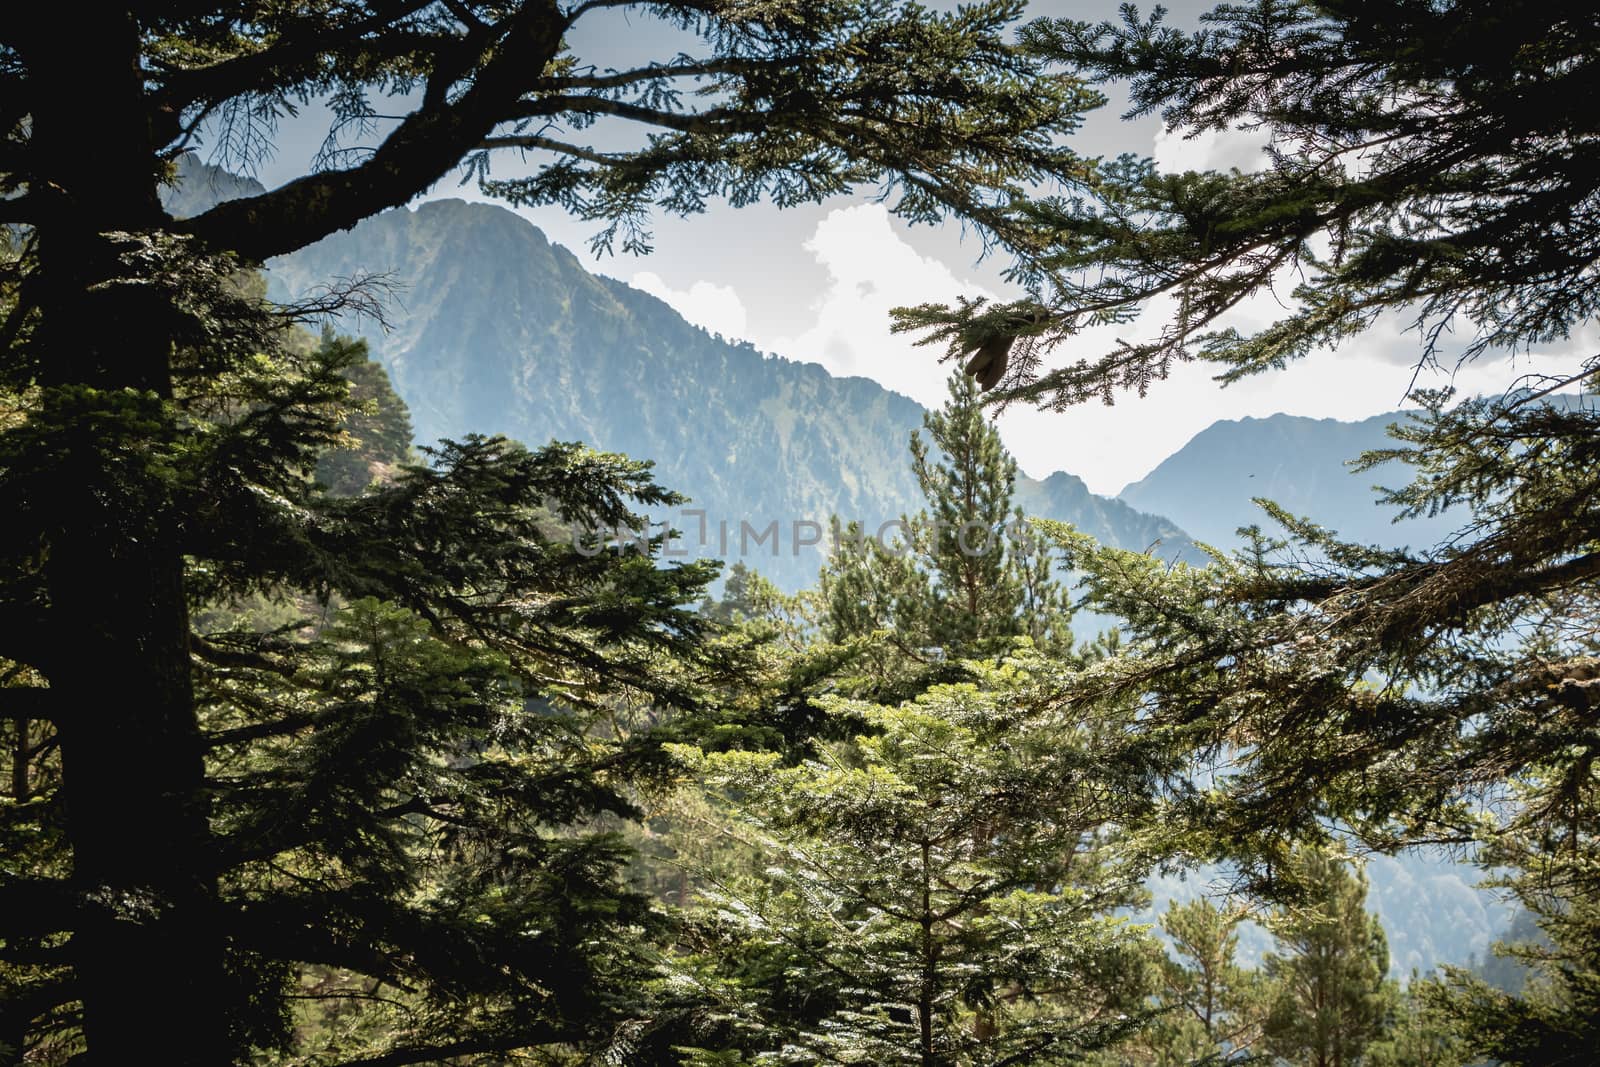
(1430, 160)
(393, 696)
(117, 326)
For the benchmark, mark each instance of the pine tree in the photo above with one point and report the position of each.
(125, 506)
(1212, 1008)
(1554, 1015)
(1419, 1035)
(967, 579)
(941, 889)
(377, 427)
(1331, 996)
(968, 486)
(964, 576)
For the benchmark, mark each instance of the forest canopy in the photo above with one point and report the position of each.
(327, 746)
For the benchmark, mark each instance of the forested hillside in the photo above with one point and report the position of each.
(496, 330)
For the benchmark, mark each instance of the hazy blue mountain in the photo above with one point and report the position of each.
(496, 330)
(1207, 486)
(1065, 496)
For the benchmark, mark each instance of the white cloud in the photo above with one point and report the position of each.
(871, 269)
(716, 307)
(1210, 150)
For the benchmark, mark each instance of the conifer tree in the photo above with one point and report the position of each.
(376, 426)
(965, 575)
(1554, 1017)
(1213, 1009)
(968, 486)
(1419, 1035)
(1331, 995)
(940, 890)
(930, 881)
(395, 693)
(1425, 159)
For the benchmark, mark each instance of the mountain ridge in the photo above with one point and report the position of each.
(543, 348)
(1296, 461)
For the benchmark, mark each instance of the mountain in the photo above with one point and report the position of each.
(200, 186)
(1207, 486)
(1112, 521)
(496, 330)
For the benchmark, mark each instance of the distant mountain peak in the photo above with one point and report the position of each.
(1301, 463)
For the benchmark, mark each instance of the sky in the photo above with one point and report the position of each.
(816, 283)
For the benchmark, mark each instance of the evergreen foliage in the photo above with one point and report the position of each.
(1213, 1008)
(158, 460)
(933, 881)
(322, 754)
(1418, 1035)
(377, 427)
(1551, 1013)
(1330, 994)
(964, 576)
(395, 693)
(939, 889)
(1428, 160)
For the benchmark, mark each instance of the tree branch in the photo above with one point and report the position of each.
(282, 61)
(716, 120)
(421, 150)
(552, 145)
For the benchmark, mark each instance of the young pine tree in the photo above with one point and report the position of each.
(1330, 992)
(941, 890)
(968, 575)
(1213, 1009)
(376, 428)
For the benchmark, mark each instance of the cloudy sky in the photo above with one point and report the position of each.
(816, 283)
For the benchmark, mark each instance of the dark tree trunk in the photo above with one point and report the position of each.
(21, 752)
(150, 967)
